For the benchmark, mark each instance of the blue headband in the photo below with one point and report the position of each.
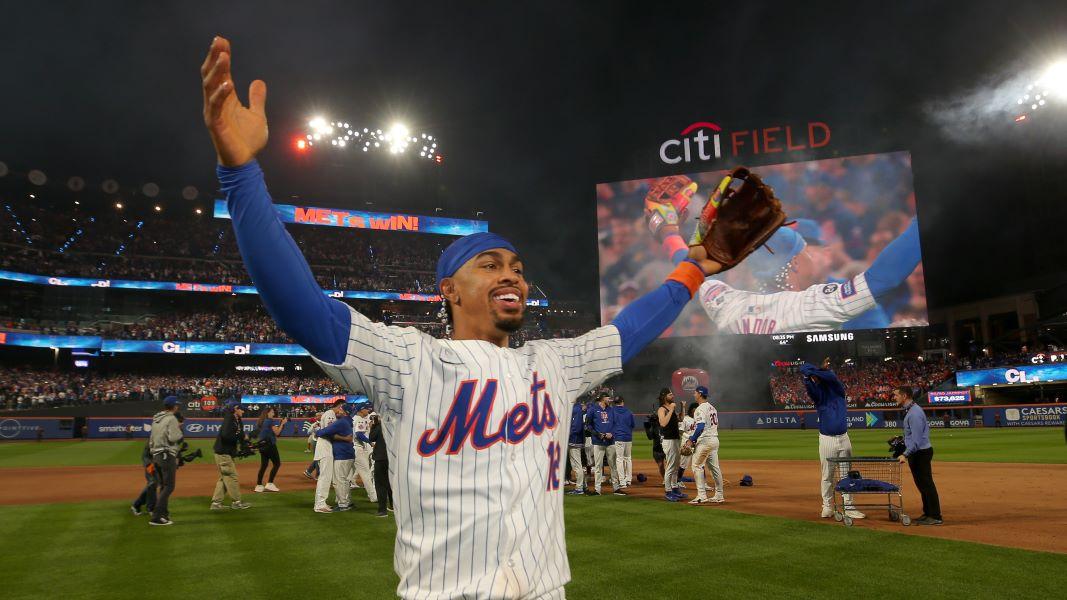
(784, 245)
(466, 248)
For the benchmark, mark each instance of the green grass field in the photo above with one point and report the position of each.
(618, 547)
(1025, 445)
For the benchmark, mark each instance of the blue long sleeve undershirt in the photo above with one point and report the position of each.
(321, 324)
(890, 268)
(895, 262)
(696, 433)
(362, 437)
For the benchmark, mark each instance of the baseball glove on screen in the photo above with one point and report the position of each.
(736, 221)
(667, 201)
(686, 450)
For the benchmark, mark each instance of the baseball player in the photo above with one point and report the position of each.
(324, 457)
(601, 422)
(809, 301)
(624, 442)
(826, 391)
(338, 466)
(705, 441)
(667, 417)
(311, 433)
(575, 446)
(685, 429)
(361, 429)
(475, 429)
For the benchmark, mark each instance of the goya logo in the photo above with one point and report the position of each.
(702, 141)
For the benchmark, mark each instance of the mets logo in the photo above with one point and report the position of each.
(468, 420)
(689, 383)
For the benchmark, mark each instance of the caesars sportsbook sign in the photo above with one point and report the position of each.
(705, 141)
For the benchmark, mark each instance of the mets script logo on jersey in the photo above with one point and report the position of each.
(469, 420)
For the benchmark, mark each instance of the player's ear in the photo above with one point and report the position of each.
(449, 291)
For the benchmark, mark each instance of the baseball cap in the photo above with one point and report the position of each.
(232, 403)
(170, 401)
(703, 391)
(773, 256)
(810, 231)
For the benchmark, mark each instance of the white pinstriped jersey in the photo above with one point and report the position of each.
(821, 307)
(323, 446)
(360, 425)
(706, 414)
(476, 437)
(686, 427)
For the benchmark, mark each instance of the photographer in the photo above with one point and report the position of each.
(230, 434)
(147, 497)
(164, 444)
(268, 448)
(381, 467)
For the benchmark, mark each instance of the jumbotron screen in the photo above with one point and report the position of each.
(848, 257)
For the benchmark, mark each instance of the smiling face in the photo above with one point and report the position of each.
(487, 296)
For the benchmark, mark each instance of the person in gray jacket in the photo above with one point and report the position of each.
(164, 444)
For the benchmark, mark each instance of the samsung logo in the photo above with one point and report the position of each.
(829, 337)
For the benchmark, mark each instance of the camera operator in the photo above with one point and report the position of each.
(147, 497)
(268, 448)
(381, 466)
(164, 444)
(230, 434)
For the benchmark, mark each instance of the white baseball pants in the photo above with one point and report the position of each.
(624, 461)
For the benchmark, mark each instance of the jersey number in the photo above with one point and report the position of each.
(553, 466)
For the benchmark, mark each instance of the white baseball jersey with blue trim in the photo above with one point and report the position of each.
(821, 307)
(476, 436)
(706, 414)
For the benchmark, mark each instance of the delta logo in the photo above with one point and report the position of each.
(704, 141)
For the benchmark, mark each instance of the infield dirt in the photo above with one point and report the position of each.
(1004, 504)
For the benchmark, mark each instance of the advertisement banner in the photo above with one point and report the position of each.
(217, 288)
(141, 428)
(1015, 374)
(178, 347)
(956, 397)
(12, 428)
(306, 399)
(338, 217)
(10, 338)
(1025, 416)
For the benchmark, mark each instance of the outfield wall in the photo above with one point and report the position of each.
(141, 427)
(28, 428)
(1012, 415)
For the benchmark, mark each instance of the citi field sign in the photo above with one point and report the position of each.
(705, 141)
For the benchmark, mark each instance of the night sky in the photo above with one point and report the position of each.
(535, 105)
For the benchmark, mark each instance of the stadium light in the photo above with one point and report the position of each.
(1052, 84)
(118, 205)
(198, 211)
(341, 134)
(158, 208)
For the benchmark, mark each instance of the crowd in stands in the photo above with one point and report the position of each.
(24, 388)
(253, 324)
(105, 243)
(867, 384)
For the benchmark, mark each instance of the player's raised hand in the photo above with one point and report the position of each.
(700, 254)
(238, 132)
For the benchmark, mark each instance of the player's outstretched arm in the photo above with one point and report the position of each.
(644, 319)
(895, 262)
(278, 269)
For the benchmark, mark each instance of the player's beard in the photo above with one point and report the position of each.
(508, 324)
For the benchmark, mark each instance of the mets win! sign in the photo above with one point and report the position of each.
(337, 217)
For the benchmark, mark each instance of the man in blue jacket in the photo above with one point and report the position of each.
(828, 394)
(919, 453)
(339, 433)
(601, 424)
(624, 441)
(575, 445)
